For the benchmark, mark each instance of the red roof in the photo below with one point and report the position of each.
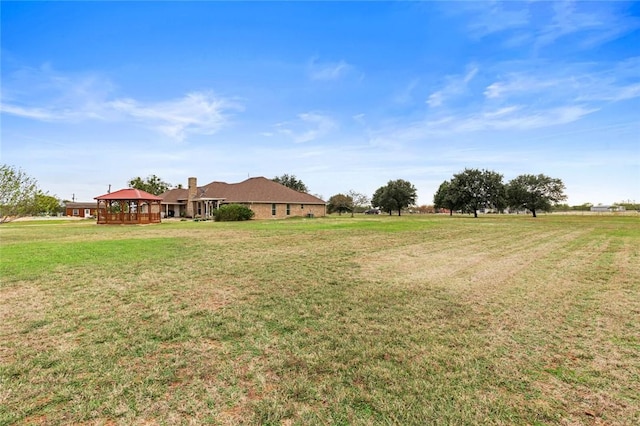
(129, 194)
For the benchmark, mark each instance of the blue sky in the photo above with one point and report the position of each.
(344, 95)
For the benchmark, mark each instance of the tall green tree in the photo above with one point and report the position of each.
(477, 189)
(535, 192)
(339, 203)
(446, 198)
(291, 181)
(47, 204)
(395, 195)
(382, 200)
(17, 193)
(151, 184)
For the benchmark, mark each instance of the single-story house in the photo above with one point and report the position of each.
(80, 209)
(604, 208)
(267, 199)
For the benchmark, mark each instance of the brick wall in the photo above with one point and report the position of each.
(264, 211)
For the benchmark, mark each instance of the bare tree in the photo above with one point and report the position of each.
(358, 200)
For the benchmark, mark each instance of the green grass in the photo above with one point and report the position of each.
(366, 320)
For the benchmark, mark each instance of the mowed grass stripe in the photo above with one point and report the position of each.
(417, 320)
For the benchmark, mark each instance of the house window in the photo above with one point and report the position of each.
(301, 206)
(273, 209)
(288, 209)
(76, 212)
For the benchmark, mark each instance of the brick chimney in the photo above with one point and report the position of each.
(193, 190)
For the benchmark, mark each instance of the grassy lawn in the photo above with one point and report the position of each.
(372, 320)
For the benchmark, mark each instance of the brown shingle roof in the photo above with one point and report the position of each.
(174, 196)
(81, 205)
(258, 190)
(252, 190)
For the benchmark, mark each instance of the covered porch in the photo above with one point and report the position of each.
(205, 207)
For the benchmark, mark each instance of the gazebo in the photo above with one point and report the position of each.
(128, 206)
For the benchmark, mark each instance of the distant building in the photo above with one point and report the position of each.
(80, 209)
(607, 209)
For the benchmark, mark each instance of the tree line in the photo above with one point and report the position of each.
(396, 195)
(469, 191)
(472, 190)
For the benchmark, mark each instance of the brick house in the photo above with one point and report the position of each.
(267, 199)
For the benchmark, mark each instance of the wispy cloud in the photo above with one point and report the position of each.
(497, 18)
(405, 95)
(307, 127)
(328, 70)
(541, 24)
(515, 117)
(32, 113)
(571, 83)
(46, 95)
(195, 113)
(518, 83)
(455, 85)
(617, 83)
(527, 95)
(581, 88)
(596, 24)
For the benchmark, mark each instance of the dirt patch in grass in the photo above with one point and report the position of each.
(499, 320)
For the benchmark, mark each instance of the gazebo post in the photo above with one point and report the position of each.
(129, 204)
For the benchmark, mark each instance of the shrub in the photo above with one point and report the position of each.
(233, 212)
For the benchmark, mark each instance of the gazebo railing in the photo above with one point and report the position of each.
(127, 218)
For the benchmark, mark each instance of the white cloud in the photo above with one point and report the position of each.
(518, 83)
(456, 85)
(495, 19)
(307, 127)
(32, 113)
(435, 99)
(565, 20)
(595, 23)
(44, 94)
(570, 83)
(328, 70)
(359, 118)
(510, 118)
(405, 96)
(47, 95)
(611, 93)
(195, 113)
(541, 24)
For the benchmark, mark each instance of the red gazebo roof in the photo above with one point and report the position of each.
(129, 194)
